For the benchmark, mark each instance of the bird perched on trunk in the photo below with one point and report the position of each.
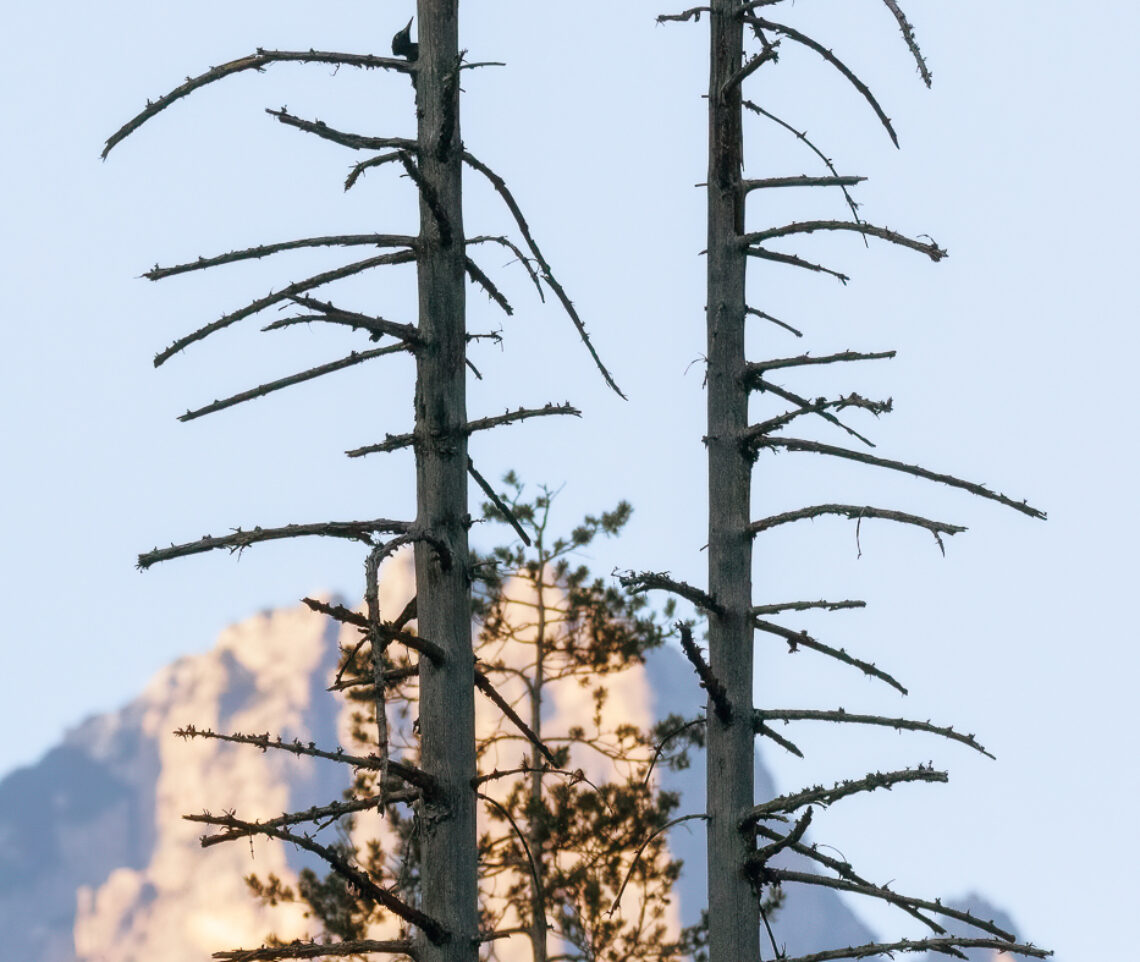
(402, 45)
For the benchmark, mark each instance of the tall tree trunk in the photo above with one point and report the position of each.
(733, 908)
(538, 931)
(447, 708)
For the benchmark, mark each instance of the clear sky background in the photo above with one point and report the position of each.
(1016, 367)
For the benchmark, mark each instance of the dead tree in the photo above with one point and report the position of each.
(441, 786)
(742, 840)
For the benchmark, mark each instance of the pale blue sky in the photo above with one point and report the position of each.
(1016, 368)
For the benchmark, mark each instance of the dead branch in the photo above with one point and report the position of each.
(333, 810)
(763, 855)
(857, 513)
(911, 42)
(377, 161)
(806, 605)
(500, 186)
(755, 370)
(345, 139)
(801, 181)
(375, 325)
(819, 795)
(409, 773)
(810, 407)
(257, 61)
(240, 540)
(774, 320)
(157, 273)
(797, 638)
(797, 444)
(660, 580)
(519, 256)
(818, 406)
(318, 950)
(641, 848)
(806, 41)
(394, 442)
(884, 893)
(803, 138)
(709, 682)
(899, 724)
(317, 280)
(498, 502)
(519, 833)
(356, 357)
(947, 945)
(931, 249)
(693, 13)
(387, 632)
(795, 261)
(769, 53)
(779, 739)
(483, 683)
(476, 273)
(433, 929)
(429, 196)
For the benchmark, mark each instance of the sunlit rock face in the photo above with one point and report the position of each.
(97, 865)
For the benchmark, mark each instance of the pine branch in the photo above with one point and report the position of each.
(797, 638)
(356, 357)
(828, 796)
(829, 56)
(797, 444)
(931, 249)
(240, 540)
(394, 442)
(257, 61)
(899, 724)
(286, 293)
(157, 273)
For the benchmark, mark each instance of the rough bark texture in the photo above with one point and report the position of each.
(733, 908)
(447, 709)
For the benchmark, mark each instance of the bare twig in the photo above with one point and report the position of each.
(387, 632)
(800, 38)
(797, 444)
(257, 61)
(794, 261)
(801, 181)
(797, 638)
(394, 442)
(318, 950)
(660, 580)
(947, 944)
(641, 848)
(476, 273)
(487, 688)
(709, 682)
(899, 724)
(930, 249)
(240, 540)
(344, 138)
(317, 280)
(375, 325)
(810, 407)
(755, 370)
(157, 273)
(356, 357)
(500, 505)
(775, 320)
(818, 406)
(807, 605)
(911, 42)
(858, 512)
(828, 796)
(763, 855)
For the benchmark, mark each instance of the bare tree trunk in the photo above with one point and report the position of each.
(733, 907)
(447, 709)
(538, 932)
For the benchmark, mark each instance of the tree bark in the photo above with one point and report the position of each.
(447, 708)
(733, 907)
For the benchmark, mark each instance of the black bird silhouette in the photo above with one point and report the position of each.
(402, 45)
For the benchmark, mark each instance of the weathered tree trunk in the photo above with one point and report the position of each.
(447, 709)
(733, 908)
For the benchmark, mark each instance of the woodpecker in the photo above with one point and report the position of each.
(402, 45)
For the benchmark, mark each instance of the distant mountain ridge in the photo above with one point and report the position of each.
(96, 864)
